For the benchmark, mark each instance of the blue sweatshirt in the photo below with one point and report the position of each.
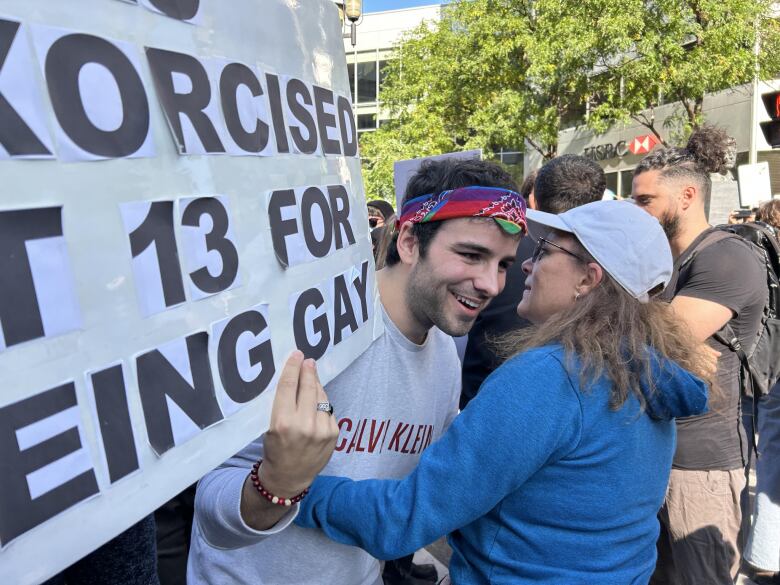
(537, 481)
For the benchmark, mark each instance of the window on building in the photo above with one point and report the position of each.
(612, 182)
(573, 116)
(382, 74)
(366, 122)
(366, 82)
(626, 177)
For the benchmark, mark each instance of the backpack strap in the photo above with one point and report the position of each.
(703, 240)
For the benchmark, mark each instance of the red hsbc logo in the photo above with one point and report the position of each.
(643, 144)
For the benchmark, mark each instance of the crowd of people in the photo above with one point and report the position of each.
(598, 430)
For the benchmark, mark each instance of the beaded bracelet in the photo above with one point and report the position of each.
(268, 495)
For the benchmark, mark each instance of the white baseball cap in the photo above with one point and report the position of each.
(626, 241)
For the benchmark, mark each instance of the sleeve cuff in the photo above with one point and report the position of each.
(283, 522)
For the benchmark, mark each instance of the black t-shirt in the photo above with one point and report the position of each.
(499, 317)
(726, 272)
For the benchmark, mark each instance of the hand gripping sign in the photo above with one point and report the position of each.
(181, 207)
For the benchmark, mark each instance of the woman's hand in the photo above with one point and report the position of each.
(301, 439)
(710, 360)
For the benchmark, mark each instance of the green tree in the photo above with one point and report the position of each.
(455, 85)
(676, 51)
(495, 73)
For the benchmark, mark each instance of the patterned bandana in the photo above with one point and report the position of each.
(502, 205)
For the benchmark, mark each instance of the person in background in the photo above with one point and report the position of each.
(378, 212)
(381, 238)
(762, 551)
(128, 559)
(769, 213)
(174, 530)
(742, 216)
(718, 280)
(555, 472)
(563, 183)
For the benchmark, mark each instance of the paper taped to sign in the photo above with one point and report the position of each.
(182, 206)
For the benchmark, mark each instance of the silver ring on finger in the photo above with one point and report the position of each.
(325, 407)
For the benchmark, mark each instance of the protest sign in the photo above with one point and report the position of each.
(754, 184)
(404, 169)
(182, 206)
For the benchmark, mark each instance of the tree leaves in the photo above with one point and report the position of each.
(502, 73)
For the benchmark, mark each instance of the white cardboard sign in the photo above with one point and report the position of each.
(182, 206)
(754, 184)
(404, 169)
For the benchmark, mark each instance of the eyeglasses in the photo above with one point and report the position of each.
(372, 221)
(540, 249)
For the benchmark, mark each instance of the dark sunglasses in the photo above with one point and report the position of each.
(372, 221)
(540, 249)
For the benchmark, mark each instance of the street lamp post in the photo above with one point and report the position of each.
(352, 10)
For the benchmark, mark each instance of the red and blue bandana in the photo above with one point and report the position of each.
(503, 205)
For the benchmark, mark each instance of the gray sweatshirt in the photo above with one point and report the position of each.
(391, 403)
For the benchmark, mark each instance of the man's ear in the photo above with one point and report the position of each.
(689, 195)
(532, 201)
(406, 244)
(591, 278)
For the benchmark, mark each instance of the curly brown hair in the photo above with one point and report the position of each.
(609, 332)
(769, 212)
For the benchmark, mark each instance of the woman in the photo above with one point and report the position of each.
(555, 472)
(769, 213)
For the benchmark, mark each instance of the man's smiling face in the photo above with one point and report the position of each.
(463, 268)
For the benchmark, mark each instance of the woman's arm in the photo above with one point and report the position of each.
(525, 415)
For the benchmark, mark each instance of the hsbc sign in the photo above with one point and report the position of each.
(643, 144)
(606, 151)
(639, 145)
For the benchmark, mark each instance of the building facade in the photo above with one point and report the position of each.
(737, 110)
(377, 35)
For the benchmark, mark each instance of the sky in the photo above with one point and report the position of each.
(379, 5)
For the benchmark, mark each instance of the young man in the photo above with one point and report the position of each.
(457, 237)
(564, 183)
(713, 285)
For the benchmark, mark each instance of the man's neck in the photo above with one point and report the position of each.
(688, 233)
(392, 281)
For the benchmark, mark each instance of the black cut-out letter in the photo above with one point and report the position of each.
(311, 298)
(325, 120)
(236, 387)
(232, 77)
(178, 9)
(311, 197)
(277, 113)
(64, 61)
(157, 378)
(361, 286)
(116, 429)
(344, 314)
(157, 229)
(347, 125)
(339, 209)
(297, 89)
(216, 241)
(163, 65)
(281, 228)
(20, 313)
(15, 135)
(19, 512)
